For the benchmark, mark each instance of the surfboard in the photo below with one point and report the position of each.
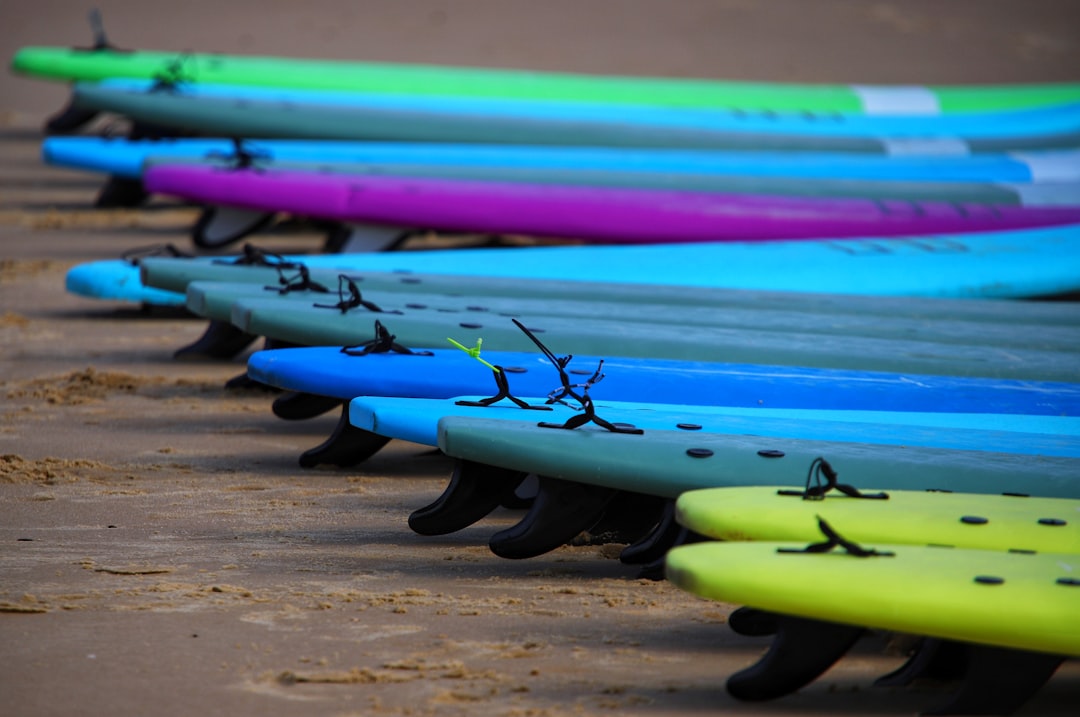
(214, 300)
(307, 325)
(67, 64)
(668, 463)
(445, 373)
(125, 157)
(961, 520)
(987, 264)
(416, 420)
(303, 114)
(209, 107)
(591, 213)
(1014, 600)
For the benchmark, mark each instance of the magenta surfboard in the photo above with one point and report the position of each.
(598, 214)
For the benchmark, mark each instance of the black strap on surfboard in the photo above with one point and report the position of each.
(241, 156)
(349, 297)
(835, 540)
(171, 76)
(382, 343)
(816, 489)
(299, 281)
(502, 384)
(568, 389)
(132, 256)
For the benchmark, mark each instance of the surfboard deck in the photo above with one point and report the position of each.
(668, 463)
(447, 373)
(1013, 600)
(961, 520)
(1027, 263)
(67, 64)
(214, 300)
(307, 325)
(126, 158)
(222, 110)
(416, 420)
(590, 213)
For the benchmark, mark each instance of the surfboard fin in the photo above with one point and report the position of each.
(933, 659)
(220, 226)
(346, 446)
(752, 622)
(220, 340)
(121, 192)
(999, 680)
(300, 406)
(626, 518)
(802, 650)
(475, 489)
(358, 238)
(650, 550)
(71, 118)
(561, 510)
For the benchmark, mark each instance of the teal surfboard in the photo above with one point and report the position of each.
(668, 463)
(305, 324)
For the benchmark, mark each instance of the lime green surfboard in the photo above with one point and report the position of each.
(72, 64)
(1020, 601)
(993, 522)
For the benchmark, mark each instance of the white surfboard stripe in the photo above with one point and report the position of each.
(1061, 166)
(898, 100)
(934, 146)
(1046, 194)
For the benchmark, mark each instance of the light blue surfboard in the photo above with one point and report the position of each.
(1012, 264)
(416, 420)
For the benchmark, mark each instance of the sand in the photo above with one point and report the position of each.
(165, 554)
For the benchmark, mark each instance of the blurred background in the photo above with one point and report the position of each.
(846, 41)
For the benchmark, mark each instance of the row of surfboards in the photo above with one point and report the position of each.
(976, 405)
(670, 396)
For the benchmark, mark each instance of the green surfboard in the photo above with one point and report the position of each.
(1021, 601)
(993, 522)
(72, 64)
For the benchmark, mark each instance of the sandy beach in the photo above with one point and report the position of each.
(166, 554)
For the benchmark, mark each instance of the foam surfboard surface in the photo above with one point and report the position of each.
(990, 522)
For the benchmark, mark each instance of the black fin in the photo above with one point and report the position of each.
(220, 226)
(752, 622)
(298, 406)
(560, 511)
(221, 340)
(802, 650)
(999, 681)
(475, 489)
(69, 119)
(933, 659)
(346, 446)
(243, 382)
(121, 192)
(627, 517)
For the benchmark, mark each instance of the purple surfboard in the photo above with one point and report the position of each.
(597, 214)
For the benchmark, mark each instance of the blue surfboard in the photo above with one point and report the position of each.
(126, 157)
(416, 420)
(445, 373)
